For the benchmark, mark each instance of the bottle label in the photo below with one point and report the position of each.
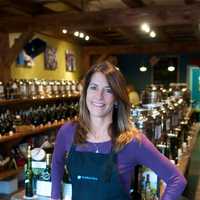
(45, 176)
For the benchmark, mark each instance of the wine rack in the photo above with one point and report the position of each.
(25, 131)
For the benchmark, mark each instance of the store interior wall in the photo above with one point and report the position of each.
(129, 65)
(38, 70)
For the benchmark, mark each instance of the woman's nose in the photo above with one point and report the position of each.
(99, 94)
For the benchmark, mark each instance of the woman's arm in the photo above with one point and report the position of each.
(149, 156)
(62, 145)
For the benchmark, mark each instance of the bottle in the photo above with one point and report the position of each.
(46, 174)
(29, 175)
(2, 94)
(147, 188)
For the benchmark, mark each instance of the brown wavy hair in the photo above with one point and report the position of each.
(121, 130)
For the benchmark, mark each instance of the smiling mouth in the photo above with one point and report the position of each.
(100, 105)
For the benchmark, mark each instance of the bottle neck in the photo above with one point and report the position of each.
(29, 163)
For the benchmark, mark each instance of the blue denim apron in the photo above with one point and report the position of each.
(94, 176)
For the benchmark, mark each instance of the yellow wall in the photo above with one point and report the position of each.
(38, 70)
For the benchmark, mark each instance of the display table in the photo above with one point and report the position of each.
(44, 192)
(20, 196)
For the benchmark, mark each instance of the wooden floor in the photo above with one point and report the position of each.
(192, 191)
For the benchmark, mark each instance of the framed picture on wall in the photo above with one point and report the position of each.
(50, 58)
(70, 61)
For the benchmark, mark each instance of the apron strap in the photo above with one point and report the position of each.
(69, 154)
(110, 166)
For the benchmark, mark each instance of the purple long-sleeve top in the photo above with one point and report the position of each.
(136, 152)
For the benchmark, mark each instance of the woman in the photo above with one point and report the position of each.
(103, 147)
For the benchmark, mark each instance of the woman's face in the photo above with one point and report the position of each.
(99, 97)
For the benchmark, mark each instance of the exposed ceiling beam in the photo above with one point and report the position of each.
(3, 3)
(29, 6)
(98, 39)
(190, 1)
(103, 19)
(58, 36)
(161, 34)
(71, 38)
(80, 8)
(14, 51)
(73, 4)
(133, 3)
(146, 49)
(129, 34)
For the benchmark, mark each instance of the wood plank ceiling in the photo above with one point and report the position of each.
(107, 22)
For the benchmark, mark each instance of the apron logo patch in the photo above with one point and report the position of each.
(79, 177)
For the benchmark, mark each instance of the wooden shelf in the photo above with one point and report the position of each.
(25, 101)
(24, 131)
(9, 173)
(28, 130)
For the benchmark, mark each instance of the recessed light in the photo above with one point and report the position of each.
(171, 68)
(81, 35)
(76, 33)
(143, 68)
(87, 37)
(145, 27)
(152, 34)
(64, 31)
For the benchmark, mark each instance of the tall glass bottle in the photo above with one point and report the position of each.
(147, 188)
(29, 175)
(46, 174)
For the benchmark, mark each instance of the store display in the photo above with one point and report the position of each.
(163, 119)
(38, 89)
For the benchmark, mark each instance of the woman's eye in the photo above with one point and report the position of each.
(92, 87)
(108, 90)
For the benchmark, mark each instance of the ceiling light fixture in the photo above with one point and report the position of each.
(76, 33)
(64, 31)
(81, 35)
(87, 37)
(152, 34)
(171, 68)
(145, 27)
(143, 68)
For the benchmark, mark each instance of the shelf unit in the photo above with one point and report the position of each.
(14, 102)
(28, 130)
(10, 173)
